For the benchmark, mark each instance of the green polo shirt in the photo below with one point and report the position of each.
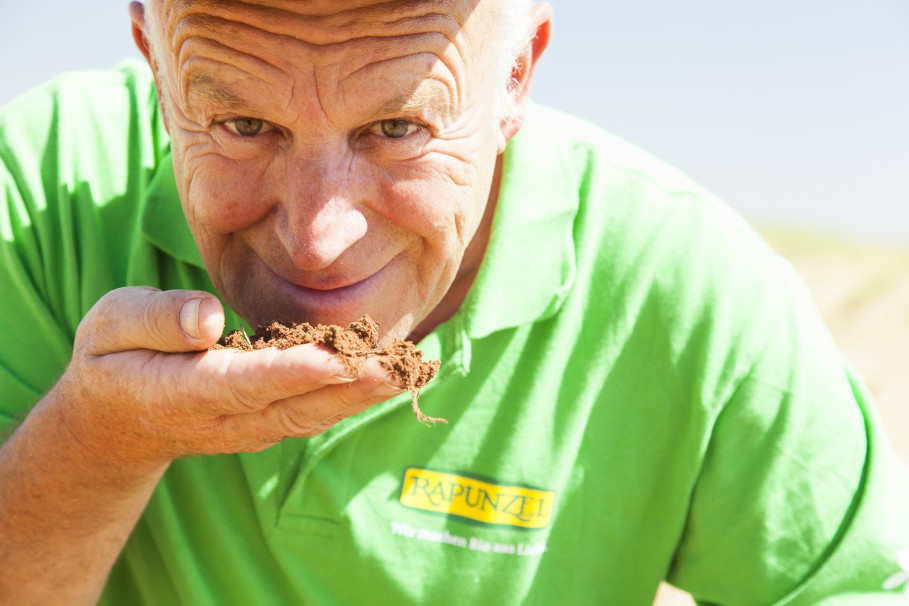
(637, 389)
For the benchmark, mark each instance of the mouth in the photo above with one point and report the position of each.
(333, 298)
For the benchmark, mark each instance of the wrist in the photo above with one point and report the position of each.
(91, 435)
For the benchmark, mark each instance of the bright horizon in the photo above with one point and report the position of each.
(795, 114)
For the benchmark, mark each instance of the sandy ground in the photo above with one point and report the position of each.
(862, 292)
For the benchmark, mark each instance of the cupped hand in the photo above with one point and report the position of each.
(142, 383)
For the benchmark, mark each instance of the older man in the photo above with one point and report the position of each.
(636, 388)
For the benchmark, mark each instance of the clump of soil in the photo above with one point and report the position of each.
(353, 344)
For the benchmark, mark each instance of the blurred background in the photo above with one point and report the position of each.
(796, 113)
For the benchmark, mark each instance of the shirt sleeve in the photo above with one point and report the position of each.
(76, 156)
(800, 499)
(35, 347)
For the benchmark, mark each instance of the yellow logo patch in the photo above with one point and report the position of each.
(474, 499)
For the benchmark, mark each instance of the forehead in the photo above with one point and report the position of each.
(323, 21)
(335, 44)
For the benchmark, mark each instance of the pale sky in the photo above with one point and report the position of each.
(792, 111)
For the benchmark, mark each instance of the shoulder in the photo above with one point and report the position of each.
(76, 158)
(561, 139)
(81, 126)
(89, 92)
(659, 260)
(638, 219)
(621, 193)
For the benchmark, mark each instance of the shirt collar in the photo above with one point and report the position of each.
(163, 221)
(529, 266)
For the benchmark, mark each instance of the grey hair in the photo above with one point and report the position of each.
(513, 33)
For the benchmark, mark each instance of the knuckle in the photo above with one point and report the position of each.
(238, 398)
(293, 422)
(246, 435)
(294, 419)
(105, 323)
(240, 395)
(159, 321)
(95, 323)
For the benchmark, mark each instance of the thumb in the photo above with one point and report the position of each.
(140, 317)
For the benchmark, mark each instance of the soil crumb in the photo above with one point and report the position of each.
(353, 344)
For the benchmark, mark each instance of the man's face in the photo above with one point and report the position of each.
(333, 158)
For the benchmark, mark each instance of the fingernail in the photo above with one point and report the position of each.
(189, 318)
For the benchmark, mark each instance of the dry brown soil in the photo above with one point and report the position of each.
(352, 344)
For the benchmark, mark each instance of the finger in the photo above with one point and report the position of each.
(319, 410)
(227, 382)
(140, 317)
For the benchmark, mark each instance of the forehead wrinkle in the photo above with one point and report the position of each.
(433, 50)
(211, 78)
(286, 18)
(229, 20)
(324, 28)
(195, 44)
(226, 33)
(331, 7)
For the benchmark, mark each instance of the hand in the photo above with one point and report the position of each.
(141, 383)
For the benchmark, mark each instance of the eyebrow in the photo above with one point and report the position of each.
(434, 96)
(214, 93)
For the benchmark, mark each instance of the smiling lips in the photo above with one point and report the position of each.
(335, 291)
(333, 284)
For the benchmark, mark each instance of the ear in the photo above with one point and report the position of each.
(137, 17)
(140, 36)
(519, 97)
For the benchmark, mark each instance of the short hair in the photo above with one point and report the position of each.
(513, 32)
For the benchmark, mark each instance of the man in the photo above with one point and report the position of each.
(636, 388)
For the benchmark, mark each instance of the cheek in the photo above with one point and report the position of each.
(223, 196)
(220, 195)
(437, 201)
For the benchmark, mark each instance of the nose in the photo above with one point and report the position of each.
(322, 214)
